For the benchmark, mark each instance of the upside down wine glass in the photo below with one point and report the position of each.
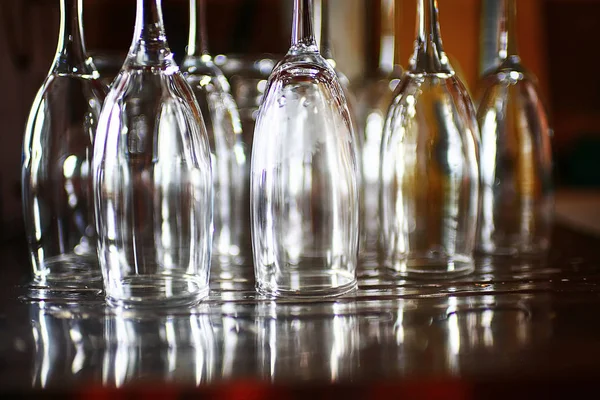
(304, 195)
(56, 169)
(374, 100)
(429, 172)
(152, 178)
(516, 156)
(322, 35)
(224, 128)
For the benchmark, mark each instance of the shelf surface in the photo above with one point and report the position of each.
(510, 323)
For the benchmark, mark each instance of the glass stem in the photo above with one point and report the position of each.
(197, 41)
(149, 46)
(303, 34)
(507, 35)
(321, 24)
(71, 56)
(429, 55)
(389, 47)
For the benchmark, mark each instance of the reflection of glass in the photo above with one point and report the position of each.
(166, 348)
(516, 158)
(68, 346)
(489, 324)
(454, 335)
(308, 348)
(56, 169)
(152, 177)
(402, 336)
(430, 163)
(373, 104)
(304, 195)
(238, 341)
(224, 132)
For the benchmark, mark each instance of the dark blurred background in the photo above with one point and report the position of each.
(557, 43)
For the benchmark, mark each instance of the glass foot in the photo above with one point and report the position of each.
(156, 291)
(67, 277)
(309, 285)
(435, 268)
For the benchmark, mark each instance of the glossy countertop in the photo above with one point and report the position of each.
(511, 326)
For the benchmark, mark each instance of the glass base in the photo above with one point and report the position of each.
(69, 270)
(522, 266)
(67, 277)
(434, 267)
(89, 295)
(531, 249)
(309, 285)
(157, 291)
(369, 259)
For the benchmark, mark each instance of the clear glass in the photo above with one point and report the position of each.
(322, 32)
(56, 166)
(152, 178)
(224, 128)
(304, 194)
(248, 79)
(516, 156)
(429, 163)
(374, 100)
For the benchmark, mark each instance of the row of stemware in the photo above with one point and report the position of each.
(169, 167)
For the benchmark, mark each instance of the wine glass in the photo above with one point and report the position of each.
(429, 163)
(248, 77)
(304, 194)
(323, 38)
(224, 128)
(152, 178)
(516, 156)
(374, 99)
(56, 166)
